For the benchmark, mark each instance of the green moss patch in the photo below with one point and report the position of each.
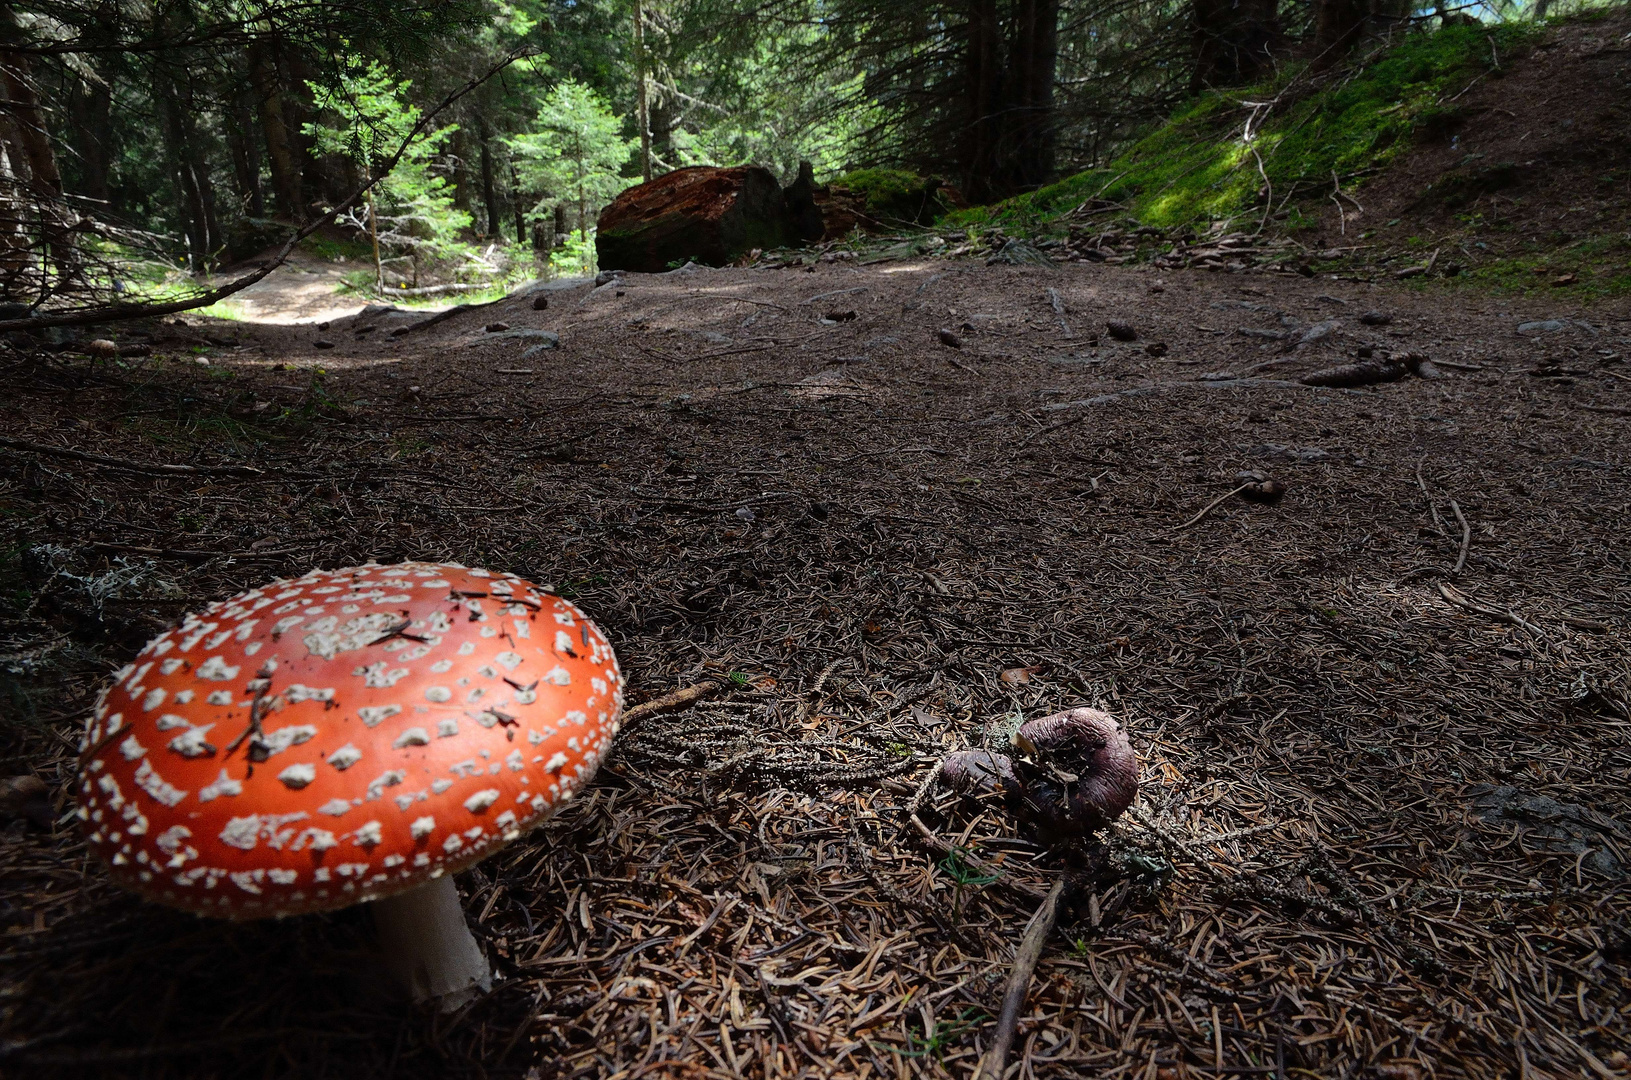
(895, 195)
(1200, 165)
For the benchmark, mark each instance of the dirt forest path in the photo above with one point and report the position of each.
(303, 290)
(1384, 823)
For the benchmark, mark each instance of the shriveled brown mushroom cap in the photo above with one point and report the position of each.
(1079, 773)
(344, 736)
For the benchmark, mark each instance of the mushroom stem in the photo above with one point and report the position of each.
(429, 946)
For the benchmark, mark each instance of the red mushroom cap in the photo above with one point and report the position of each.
(344, 736)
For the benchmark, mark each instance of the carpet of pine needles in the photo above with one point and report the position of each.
(1384, 825)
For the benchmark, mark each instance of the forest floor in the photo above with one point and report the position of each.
(1385, 820)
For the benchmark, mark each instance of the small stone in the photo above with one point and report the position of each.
(949, 338)
(323, 343)
(497, 327)
(1121, 331)
(322, 326)
(746, 514)
(1376, 318)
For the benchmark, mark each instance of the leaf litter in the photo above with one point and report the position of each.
(1379, 833)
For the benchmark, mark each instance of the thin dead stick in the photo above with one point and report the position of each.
(1466, 538)
(1449, 593)
(683, 698)
(1003, 880)
(127, 464)
(1438, 522)
(1211, 506)
(991, 1066)
(1269, 209)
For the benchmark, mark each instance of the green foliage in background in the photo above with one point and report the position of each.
(576, 151)
(415, 204)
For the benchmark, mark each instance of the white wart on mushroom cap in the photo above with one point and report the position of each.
(344, 736)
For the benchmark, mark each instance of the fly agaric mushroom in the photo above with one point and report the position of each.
(351, 735)
(1077, 772)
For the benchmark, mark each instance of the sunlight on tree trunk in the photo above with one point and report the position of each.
(642, 108)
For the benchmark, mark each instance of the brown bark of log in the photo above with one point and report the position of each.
(701, 213)
(280, 155)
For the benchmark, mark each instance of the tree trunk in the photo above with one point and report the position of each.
(1234, 41)
(642, 113)
(661, 115)
(517, 207)
(488, 193)
(93, 140)
(1033, 58)
(279, 148)
(246, 158)
(1340, 24)
(37, 169)
(461, 170)
(1009, 141)
(192, 201)
(983, 72)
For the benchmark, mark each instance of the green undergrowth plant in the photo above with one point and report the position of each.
(1224, 154)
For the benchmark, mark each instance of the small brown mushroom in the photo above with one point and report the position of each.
(977, 772)
(1257, 488)
(1077, 773)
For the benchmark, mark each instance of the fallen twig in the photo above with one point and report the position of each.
(1466, 538)
(442, 316)
(1019, 982)
(683, 698)
(1450, 593)
(132, 466)
(1438, 523)
(1209, 507)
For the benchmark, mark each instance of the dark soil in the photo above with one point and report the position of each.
(1384, 825)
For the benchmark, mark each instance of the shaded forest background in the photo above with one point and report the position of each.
(144, 145)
